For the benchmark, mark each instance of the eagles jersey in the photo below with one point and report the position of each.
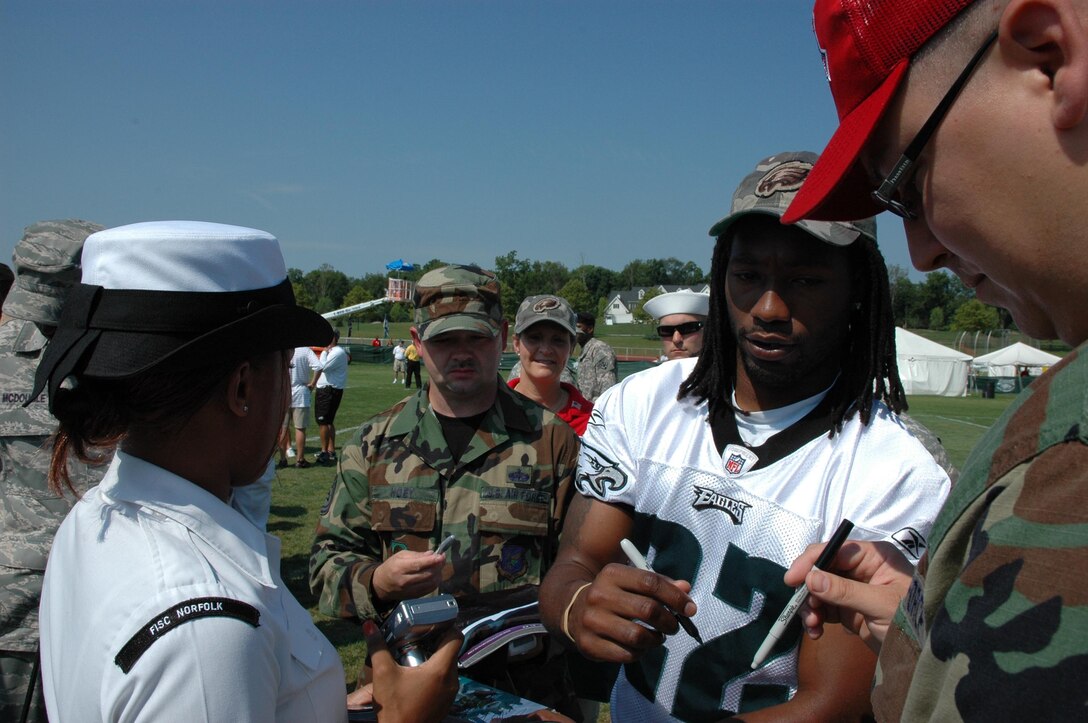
(730, 519)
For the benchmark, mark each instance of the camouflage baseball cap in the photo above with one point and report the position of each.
(47, 265)
(770, 189)
(545, 307)
(457, 298)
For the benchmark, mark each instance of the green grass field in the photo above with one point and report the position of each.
(299, 493)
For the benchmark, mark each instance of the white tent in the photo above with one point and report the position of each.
(926, 367)
(1008, 361)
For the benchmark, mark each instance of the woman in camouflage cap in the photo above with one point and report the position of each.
(544, 332)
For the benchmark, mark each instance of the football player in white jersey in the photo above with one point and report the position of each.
(721, 469)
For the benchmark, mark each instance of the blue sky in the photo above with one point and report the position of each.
(358, 132)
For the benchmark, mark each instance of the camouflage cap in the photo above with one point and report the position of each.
(47, 266)
(770, 189)
(457, 298)
(545, 307)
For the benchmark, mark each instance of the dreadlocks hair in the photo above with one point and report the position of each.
(869, 370)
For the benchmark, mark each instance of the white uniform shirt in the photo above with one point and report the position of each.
(147, 570)
(334, 368)
(254, 500)
(732, 531)
(398, 352)
(303, 364)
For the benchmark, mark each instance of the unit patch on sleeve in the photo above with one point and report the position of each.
(183, 612)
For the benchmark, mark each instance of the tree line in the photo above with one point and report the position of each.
(940, 302)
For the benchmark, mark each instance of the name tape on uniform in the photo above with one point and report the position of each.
(183, 612)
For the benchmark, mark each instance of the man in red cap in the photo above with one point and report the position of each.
(970, 121)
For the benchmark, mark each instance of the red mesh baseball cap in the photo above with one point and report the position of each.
(866, 46)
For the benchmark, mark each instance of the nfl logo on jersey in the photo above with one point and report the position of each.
(738, 459)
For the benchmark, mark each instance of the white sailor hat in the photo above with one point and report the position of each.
(175, 295)
(678, 302)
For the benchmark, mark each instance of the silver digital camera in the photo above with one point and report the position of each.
(412, 623)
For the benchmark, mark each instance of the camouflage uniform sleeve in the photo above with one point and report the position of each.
(567, 448)
(608, 368)
(346, 551)
(596, 369)
(29, 512)
(1012, 629)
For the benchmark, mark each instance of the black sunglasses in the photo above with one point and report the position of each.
(888, 195)
(688, 327)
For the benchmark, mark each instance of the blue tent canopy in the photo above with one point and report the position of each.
(400, 265)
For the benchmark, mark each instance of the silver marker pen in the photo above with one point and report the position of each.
(822, 563)
(445, 544)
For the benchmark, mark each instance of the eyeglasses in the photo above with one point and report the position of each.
(688, 327)
(888, 195)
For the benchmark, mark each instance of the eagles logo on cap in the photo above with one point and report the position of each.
(772, 186)
(545, 307)
(787, 177)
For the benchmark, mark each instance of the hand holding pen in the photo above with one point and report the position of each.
(826, 556)
(624, 612)
(860, 589)
(639, 561)
(632, 553)
(445, 544)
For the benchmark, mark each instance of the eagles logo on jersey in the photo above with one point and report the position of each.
(708, 499)
(598, 475)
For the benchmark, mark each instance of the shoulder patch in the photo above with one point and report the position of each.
(183, 612)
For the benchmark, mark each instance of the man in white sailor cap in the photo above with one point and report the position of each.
(680, 317)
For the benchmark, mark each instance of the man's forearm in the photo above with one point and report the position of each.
(344, 589)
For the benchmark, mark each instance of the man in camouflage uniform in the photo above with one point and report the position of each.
(597, 363)
(994, 623)
(465, 456)
(47, 264)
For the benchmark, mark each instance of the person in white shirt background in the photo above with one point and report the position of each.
(303, 364)
(400, 364)
(330, 383)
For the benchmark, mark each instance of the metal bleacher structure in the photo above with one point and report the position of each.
(396, 290)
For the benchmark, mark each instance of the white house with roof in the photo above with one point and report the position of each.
(621, 307)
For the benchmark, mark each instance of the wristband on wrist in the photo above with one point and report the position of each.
(564, 622)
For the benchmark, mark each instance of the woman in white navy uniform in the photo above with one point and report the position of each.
(162, 602)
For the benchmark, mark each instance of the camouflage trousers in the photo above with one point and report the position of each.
(17, 671)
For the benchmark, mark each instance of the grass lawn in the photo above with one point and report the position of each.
(299, 493)
(958, 421)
